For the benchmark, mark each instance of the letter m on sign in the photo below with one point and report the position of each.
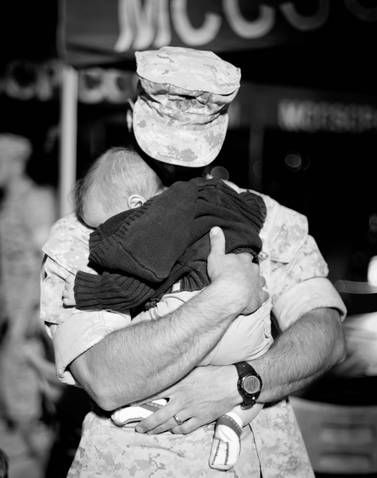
(143, 24)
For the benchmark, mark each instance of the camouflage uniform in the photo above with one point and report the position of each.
(180, 117)
(19, 255)
(24, 213)
(296, 278)
(109, 451)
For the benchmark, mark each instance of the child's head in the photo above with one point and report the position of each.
(118, 180)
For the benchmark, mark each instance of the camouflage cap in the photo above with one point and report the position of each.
(180, 115)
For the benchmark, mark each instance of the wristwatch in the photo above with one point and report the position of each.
(249, 384)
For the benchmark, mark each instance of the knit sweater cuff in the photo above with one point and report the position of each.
(109, 291)
(87, 290)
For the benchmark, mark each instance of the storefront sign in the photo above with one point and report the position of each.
(26, 80)
(100, 28)
(312, 116)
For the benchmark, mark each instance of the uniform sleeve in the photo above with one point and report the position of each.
(72, 331)
(298, 272)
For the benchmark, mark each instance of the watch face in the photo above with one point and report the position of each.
(251, 384)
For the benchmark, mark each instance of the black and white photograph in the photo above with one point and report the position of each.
(177, 177)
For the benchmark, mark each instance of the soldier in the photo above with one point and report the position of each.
(27, 212)
(179, 123)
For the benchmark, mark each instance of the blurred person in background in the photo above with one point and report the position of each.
(27, 211)
(3, 464)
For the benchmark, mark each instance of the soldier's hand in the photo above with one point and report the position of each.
(237, 273)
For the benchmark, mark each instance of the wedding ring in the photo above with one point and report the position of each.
(178, 421)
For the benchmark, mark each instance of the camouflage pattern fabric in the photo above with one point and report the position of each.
(19, 256)
(181, 118)
(295, 274)
(272, 445)
(73, 331)
(189, 69)
(21, 214)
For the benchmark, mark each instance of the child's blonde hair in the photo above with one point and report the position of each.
(117, 173)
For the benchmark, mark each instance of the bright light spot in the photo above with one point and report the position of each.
(372, 271)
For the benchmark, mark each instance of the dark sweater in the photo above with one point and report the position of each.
(141, 253)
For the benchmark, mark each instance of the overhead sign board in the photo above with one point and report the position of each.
(94, 31)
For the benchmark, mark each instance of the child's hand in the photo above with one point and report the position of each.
(68, 294)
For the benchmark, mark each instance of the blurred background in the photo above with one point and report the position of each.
(303, 129)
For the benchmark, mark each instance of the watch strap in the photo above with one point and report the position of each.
(244, 369)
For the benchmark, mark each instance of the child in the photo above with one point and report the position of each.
(152, 253)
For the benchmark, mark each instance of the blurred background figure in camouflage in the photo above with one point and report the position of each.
(27, 378)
